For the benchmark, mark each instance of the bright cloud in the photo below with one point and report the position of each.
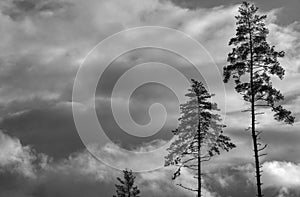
(282, 174)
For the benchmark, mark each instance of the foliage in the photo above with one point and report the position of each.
(126, 187)
(253, 55)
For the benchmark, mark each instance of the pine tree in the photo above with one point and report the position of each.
(251, 64)
(199, 135)
(126, 187)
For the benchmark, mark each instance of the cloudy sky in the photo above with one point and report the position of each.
(44, 42)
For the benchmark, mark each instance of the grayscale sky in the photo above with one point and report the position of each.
(43, 43)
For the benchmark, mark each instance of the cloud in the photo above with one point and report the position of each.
(279, 179)
(281, 140)
(45, 177)
(29, 175)
(287, 38)
(281, 174)
(49, 129)
(18, 9)
(55, 45)
(80, 174)
(17, 158)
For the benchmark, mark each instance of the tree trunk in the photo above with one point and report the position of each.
(254, 136)
(199, 149)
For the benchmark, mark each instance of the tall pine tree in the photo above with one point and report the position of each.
(251, 64)
(126, 187)
(199, 135)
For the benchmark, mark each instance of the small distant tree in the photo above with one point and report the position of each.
(199, 135)
(126, 187)
(251, 64)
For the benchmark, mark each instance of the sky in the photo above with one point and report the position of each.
(43, 44)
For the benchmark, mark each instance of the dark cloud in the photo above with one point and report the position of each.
(14, 185)
(195, 4)
(140, 56)
(33, 103)
(232, 181)
(53, 183)
(288, 14)
(18, 9)
(282, 142)
(62, 184)
(74, 185)
(291, 98)
(125, 140)
(48, 130)
(143, 97)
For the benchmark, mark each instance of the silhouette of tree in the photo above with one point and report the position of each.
(251, 64)
(199, 135)
(126, 187)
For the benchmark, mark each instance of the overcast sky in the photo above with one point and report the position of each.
(43, 43)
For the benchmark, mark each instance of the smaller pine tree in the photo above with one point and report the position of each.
(126, 187)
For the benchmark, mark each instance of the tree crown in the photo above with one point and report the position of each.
(252, 55)
(198, 117)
